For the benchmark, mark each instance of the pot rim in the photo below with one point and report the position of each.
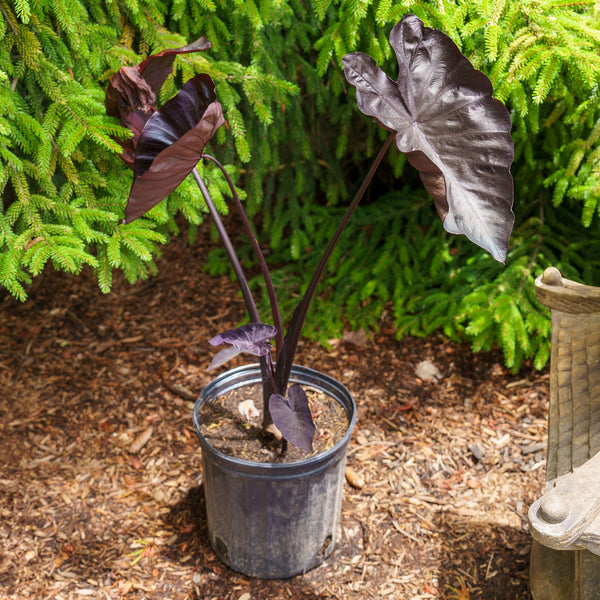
(328, 385)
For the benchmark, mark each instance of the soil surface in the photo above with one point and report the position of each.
(236, 431)
(100, 479)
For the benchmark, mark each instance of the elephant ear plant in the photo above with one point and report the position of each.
(440, 112)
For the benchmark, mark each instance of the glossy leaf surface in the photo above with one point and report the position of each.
(292, 417)
(172, 143)
(449, 125)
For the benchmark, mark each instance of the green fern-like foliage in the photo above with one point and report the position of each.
(300, 147)
(63, 185)
(544, 61)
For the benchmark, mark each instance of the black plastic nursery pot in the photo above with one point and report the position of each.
(274, 520)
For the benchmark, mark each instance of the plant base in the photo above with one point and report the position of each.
(274, 520)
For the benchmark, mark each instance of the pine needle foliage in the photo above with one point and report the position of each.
(299, 144)
(62, 182)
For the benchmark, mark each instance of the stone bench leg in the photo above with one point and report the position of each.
(563, 574)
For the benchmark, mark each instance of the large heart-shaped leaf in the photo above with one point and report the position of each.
(449, 125)
(172, 143)
(252, 338)
(292, 417)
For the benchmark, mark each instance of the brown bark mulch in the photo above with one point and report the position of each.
(100, 479)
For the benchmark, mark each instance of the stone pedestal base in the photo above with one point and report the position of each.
(564, 574)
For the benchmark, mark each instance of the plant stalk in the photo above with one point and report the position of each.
(286, 357)
(266, 368)
(259, 255)
(235, 263)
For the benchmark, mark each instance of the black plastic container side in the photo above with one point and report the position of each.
(274, 520)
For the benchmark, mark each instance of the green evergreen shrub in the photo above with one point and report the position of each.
(277, 68)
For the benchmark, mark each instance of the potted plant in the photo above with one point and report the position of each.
(277, 517)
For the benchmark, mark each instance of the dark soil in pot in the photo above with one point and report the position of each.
(226, 429)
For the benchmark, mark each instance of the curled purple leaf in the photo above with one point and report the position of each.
(157, 67)
(252, 338)
(292, 417)
(172, 143)
(449, 125)
(132, 92)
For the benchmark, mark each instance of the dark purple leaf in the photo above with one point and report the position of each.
(129, 92)
(132, 92)
(130, 97)
(252, 338)
(449, 125)
(176, 118)
(172, 143)
(292, 417)
(156, 68)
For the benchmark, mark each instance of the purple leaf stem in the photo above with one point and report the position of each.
(259, 255)
(235, 263)
(266, 365)
(290, 343)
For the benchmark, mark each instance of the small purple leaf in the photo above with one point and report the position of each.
(292, 417)
(172, 143)
(223, 356)
(449, 125)
(252, 338)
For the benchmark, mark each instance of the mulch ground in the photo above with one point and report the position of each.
(100, 478)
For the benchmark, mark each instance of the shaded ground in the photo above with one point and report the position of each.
(100, 482)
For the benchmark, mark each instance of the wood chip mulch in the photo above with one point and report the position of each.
(100, 479)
